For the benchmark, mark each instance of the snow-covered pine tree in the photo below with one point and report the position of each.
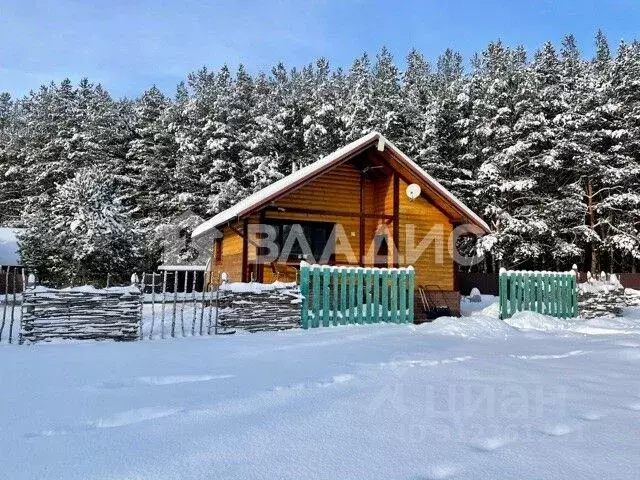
(386, 108)
(619, 206)
(359, 104)
(84, 233)
(230, 140)
(504, 182)
(12, 177)
(416, 97)
(444, 141)
(322, 125)
(152, 154)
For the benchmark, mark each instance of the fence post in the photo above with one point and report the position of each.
(164, 301)
(141, 287)
(6, 302)
(13, 306)
(195, 304)
(502, 293)
(513, 300)
(384, 285)
(184, 300)
(352, 295)
(394, 295)
(538, 291)
(376, 295)
(24, 289)
(315, 295)
(402, 303)
(411, 292)
(344, 277)
(325, 296)
(359, 294)
(335, 280)
(175, 305)
(304, 293)
(576, 310)
(153, 303)
(368, 287)
(564, 284)
(527, 291)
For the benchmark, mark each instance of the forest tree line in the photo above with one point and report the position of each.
(545, 146)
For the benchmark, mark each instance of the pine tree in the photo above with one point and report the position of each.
(359, 105)
(152, 152)
(84, 233)
(386, 113)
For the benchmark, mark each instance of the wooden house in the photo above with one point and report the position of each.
(361, 189)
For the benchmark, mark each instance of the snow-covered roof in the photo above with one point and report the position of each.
(267, 194)
(183, 268)
(9, 247)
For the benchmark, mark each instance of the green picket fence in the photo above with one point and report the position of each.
(551, 293)
(344, 295)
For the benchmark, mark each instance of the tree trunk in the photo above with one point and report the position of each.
(592, 222)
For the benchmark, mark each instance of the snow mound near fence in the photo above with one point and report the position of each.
(485, 322)
(475, 326)
(629, 324)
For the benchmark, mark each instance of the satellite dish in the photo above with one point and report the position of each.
(413, 191)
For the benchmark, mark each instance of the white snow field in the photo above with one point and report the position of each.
(469, 398)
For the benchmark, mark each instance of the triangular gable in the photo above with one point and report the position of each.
(285, 185)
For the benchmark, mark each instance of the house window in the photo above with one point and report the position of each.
(317, 235)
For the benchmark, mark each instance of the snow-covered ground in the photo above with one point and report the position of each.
(459, 398)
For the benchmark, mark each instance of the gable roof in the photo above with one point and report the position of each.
(263, 197)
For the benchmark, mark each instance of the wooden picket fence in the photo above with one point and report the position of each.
(551, 293)
(343, 295)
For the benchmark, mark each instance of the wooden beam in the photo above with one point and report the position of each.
(328, 213)
(260, 264)
(362, 220)
(433, 197)
(245, 250)
(396, 219)
(240, 234)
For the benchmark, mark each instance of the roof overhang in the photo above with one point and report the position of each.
(291, 182)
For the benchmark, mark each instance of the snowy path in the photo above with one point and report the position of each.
(471, 398)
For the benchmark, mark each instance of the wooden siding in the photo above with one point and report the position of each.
(431, 269)
(231, 256)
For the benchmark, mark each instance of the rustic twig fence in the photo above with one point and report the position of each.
(341, 295)
(551, 293)
(81, 313)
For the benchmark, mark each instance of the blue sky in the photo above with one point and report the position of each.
(130, 45)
